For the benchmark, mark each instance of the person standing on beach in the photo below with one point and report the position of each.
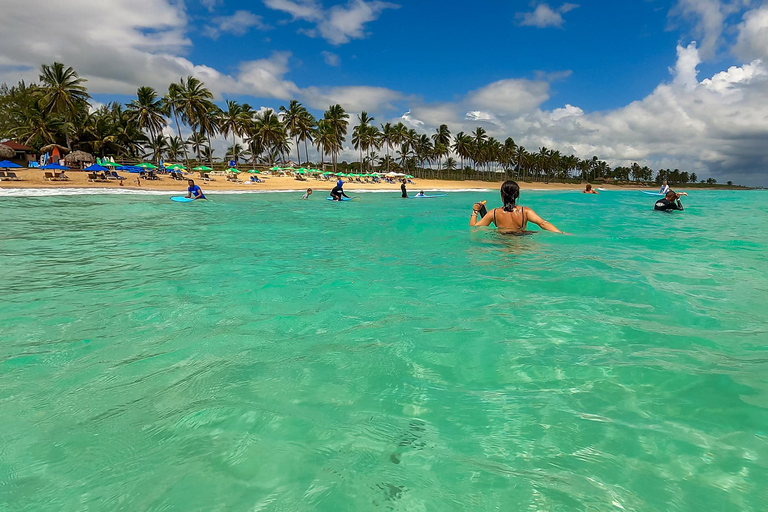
(194, 191)
(404, 191)
(670, 202)
(510, 217)
(307, 194)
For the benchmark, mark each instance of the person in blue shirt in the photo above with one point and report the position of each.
(194, 191)
(340, 183)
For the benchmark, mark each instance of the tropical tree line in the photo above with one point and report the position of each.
(58, 109)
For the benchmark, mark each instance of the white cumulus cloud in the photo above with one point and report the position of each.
(338, 24)
(331, 58)
(545, 16)
(238, 24)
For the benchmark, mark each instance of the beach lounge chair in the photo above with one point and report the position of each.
(49, 177)
(10, 175)
(233, 178)
(2, 175)
(205, 176)
(62, 177)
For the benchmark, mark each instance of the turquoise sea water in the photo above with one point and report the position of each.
(257, 352)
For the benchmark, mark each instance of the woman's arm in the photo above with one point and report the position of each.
(543, 224)
(485, 221)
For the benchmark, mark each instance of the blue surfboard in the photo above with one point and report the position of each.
(651, 193)
(182, 199)
(428, 197)
(343, 198)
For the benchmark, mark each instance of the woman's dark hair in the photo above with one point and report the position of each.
(510, 191)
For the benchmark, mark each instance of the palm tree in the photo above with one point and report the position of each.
(442, 140)
(388, 137)
(305, 130)
(195, 103)
(269, 133)
(294, 118)
(360, 139)
(197, 141)
(450, 164)
(147, 111)
(158, 147)
(62, 93)
(174, 105)
(338, 119)
(325, 138)
(208, 125)
(236, 120)
(176, 147)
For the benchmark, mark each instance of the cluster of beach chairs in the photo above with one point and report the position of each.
(9, 176)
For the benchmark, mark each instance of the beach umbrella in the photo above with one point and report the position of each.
(146, 165)
(110, 164)
(202, 168)
(177, 167)
(301, 171)
(233, 170)
(275, 168)
(408, 176)
(254, 171)
(54, 166)
(326, 173)
(96, 168)
(7, 164)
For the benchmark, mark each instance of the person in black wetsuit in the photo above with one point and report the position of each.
(670, 202)
(404, 191)
(337, 192)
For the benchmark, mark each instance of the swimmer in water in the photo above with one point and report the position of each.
(589, 190)
(194, 191)
(404, 191)
(670, 202)
(510, 217)
(307, 194)
(420, 194)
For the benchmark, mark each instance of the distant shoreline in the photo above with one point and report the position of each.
(34, 179)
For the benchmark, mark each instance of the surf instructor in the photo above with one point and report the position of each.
(194, 191)
(403, 190)
(337, 192)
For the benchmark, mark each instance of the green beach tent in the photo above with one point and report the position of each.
(254, 171)
(202, 168)
(146, 165)
(233, 170)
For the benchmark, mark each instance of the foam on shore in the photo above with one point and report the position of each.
(48, 192)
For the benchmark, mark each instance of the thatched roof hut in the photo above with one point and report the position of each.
(79, 158)
(50, 147)
(6, 152)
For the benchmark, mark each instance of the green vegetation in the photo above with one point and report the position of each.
(57, 110)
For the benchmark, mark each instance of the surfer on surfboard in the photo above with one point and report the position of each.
(194, 191)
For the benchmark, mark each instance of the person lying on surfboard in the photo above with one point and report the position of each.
(194, 191)
(510, 217)
(420, 194)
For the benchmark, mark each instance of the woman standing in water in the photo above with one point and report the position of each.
(510, 217)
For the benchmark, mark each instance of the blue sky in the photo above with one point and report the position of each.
(616, 52)
(665, 83)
